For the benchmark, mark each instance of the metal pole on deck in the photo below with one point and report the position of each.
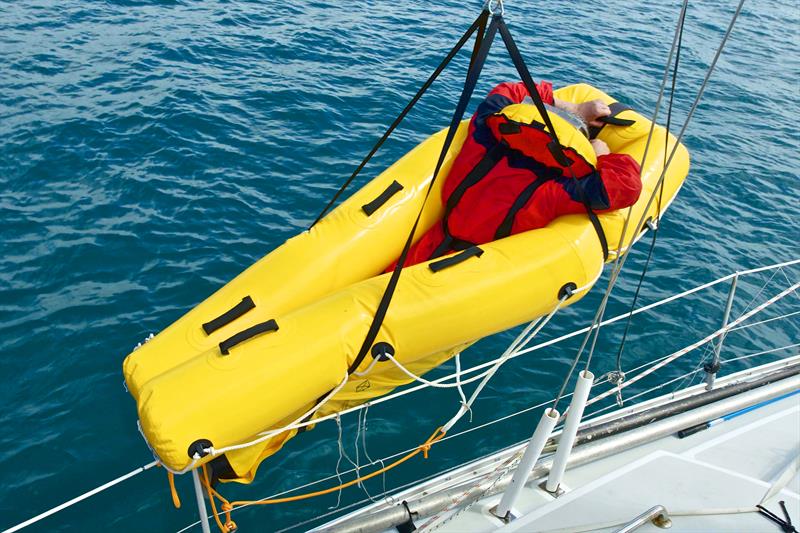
(567, 439)
(532, 453)
(712, 368)
(201, 503)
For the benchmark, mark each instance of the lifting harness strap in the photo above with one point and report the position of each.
(479, 23)
(555, 147)
(478, 172)
(477, 62)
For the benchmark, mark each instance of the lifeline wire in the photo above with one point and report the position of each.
(663, 301)
(687, 349)
(82, 497)
(523, 351)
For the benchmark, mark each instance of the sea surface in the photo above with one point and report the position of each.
(152, 150)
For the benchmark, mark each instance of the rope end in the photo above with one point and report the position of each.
(176, 500)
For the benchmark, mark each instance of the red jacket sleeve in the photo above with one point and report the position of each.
(517, 91)
(621, 178)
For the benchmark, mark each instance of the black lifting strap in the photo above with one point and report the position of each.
(479, 23)
(555, 147)
(504, 230)
(478, 59)
(478, 172)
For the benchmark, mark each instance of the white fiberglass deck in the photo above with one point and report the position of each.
(731, 465)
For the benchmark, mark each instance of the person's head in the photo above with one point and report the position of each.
(573, 119)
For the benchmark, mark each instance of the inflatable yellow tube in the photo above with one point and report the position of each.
(322, 288)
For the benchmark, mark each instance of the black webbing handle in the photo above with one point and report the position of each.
(555, 147)
(479, 22)
(382, 198)
(616, 108)
(614, 121)
(455, 259)
(229, 316)
(249, 333)
(479, 58)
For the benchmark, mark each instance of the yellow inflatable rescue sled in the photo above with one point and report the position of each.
(267, 346)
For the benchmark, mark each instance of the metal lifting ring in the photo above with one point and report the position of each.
(493, 5)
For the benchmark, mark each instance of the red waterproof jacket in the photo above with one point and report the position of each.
(498, 198)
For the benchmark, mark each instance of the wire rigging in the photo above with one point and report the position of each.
(598, 317)
(657, 222)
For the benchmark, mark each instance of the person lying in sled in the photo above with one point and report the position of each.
(505, 180)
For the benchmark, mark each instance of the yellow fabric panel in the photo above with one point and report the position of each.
(317, 262)
(383, 379)
(327, 296)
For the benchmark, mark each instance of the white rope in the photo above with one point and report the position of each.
(417, 388)
(523, 351)
(458, 384)
(80, 498)
(435, 384)
(680, 353)
(466, 431)
(298, 423)
(522, 339)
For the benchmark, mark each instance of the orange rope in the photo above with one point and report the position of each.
(229, 525)
(176, 500)
(228, 506)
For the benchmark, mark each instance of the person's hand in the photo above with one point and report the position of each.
(592, 110)
(600, 148)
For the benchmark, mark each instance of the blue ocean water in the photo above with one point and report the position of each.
(150, 151)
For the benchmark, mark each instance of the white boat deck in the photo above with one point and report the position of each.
(729, 466)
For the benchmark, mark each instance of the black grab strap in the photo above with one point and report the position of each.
(229, 316)
(616, 108)
(436, 266)
(504, 230)
(477, 62)
(249, 333)
(555, 147)
(382, 198)
(479, 22)
(478, 172)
